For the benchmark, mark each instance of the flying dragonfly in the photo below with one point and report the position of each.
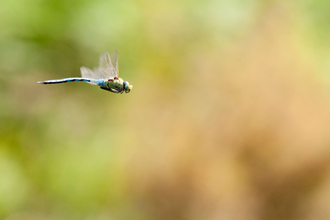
(105, 76)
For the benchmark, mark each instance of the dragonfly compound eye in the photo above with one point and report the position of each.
(128, 87)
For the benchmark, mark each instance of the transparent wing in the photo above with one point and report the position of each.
(106, 66)
(114, 59)
(87, 73)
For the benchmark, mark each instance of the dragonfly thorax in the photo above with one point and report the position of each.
(117, 85)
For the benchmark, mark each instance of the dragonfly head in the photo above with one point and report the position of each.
(127, 87)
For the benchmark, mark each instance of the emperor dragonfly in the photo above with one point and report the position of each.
(105, 76)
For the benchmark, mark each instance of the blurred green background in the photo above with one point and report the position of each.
(228, 118)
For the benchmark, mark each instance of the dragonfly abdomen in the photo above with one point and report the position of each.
(73, 79)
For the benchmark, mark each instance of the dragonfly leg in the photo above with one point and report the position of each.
(110, 90)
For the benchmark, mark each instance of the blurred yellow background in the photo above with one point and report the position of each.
(228, 118)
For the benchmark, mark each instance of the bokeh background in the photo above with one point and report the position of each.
(229, 117)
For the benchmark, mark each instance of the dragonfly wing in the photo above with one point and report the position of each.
(87, 73)
(114, 59)
(106, 66)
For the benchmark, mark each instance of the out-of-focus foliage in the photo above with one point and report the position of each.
(228, 118)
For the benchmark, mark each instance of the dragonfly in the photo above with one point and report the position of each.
(105, 76)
